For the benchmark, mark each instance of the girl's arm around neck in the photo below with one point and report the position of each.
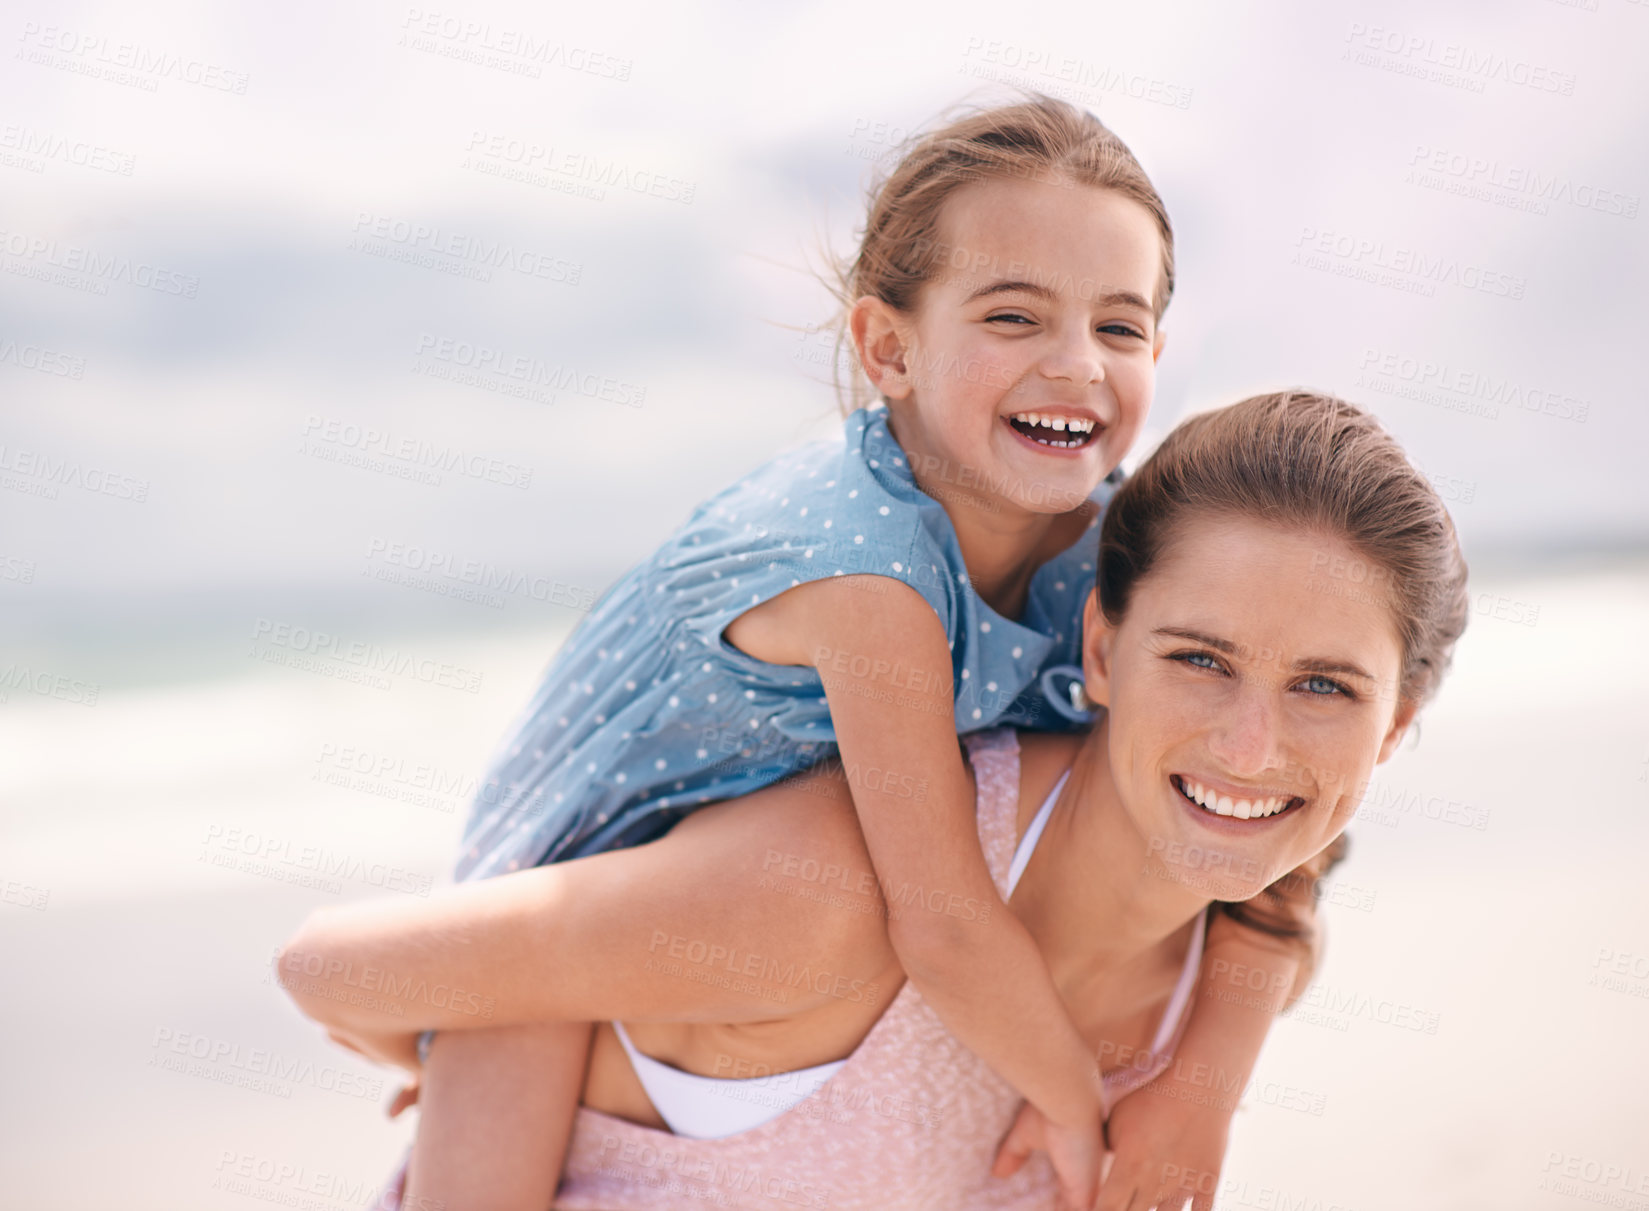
(970, 957)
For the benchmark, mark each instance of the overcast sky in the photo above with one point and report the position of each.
(234, 241)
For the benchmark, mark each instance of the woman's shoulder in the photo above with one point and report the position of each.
(1044, 757)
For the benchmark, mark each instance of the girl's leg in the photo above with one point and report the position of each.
(496, 1113)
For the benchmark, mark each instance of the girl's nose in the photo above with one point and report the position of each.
(1074, 357)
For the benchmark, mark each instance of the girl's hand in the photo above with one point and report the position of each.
(1168, 1148)
(408, 1096)
(1074, 1152)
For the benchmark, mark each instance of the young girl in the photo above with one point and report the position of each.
(869, 602)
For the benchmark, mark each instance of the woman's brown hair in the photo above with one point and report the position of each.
(1316, 463)
(1040, 138)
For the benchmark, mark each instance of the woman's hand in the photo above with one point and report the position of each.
(1168, 1147)
(1074, 1152)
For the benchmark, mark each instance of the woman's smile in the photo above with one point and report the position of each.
(1228, 808)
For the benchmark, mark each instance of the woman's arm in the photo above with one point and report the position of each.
(682, 929)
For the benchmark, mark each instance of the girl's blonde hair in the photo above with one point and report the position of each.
(1040, 138)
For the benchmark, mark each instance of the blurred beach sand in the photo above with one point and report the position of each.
(1474, 1038)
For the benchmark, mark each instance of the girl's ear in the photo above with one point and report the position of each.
(1098, 640)
(880, 341)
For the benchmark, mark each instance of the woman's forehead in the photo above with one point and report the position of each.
(1282, 594)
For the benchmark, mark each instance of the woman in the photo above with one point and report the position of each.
(1278, 592)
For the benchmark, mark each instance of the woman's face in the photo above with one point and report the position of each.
(1235, 690)
(1028, 364)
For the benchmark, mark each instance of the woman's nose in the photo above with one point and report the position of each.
(1245, 740)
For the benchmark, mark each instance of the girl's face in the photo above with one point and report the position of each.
(1235, 690)
(1027, 367)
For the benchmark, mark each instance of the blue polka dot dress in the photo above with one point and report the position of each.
(647, 713)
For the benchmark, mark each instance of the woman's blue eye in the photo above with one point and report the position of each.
(1323, 686)
(1195, 658)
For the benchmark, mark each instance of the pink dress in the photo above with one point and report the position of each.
(912, 1120)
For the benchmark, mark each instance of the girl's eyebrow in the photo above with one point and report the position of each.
(1110, 298)
(1308, 665)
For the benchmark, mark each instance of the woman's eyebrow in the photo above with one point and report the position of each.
(1110, 298)
(1219, 645)
(1313, 664)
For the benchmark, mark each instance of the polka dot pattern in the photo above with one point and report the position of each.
(647, 712)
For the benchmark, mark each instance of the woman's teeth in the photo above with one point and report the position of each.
(1041, 427)
(1224, 805)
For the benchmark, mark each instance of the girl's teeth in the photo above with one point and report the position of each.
(1055, 424)
(1225, 805)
